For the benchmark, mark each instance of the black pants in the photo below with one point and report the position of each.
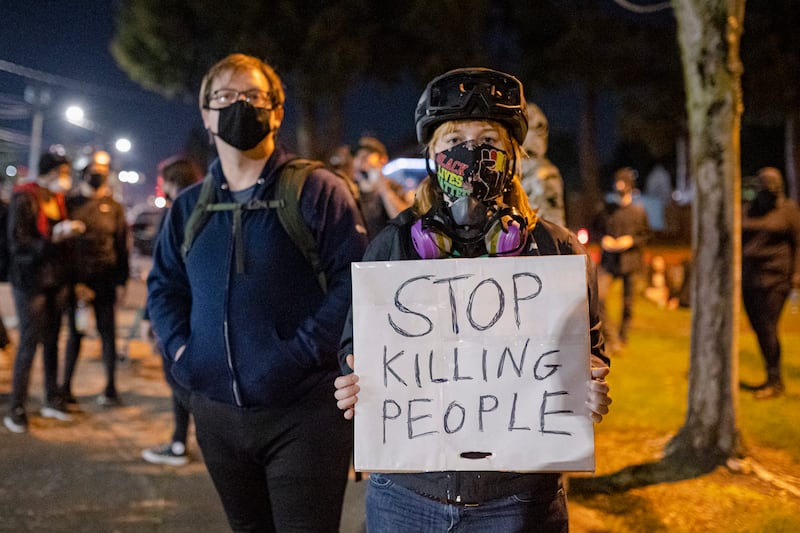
(4, 339)
(105, 295)
(39, 316)
(763, 308)
(277, 469)
(181, 409)
(604, 282)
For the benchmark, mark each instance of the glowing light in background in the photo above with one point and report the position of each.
(128, 176)
(75, 115)
(583, 235)
(123, 145)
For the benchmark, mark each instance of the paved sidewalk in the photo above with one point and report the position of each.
(87, 475)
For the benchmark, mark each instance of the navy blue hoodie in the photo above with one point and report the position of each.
(265, 336)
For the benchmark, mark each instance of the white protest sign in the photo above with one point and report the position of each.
(472, 364)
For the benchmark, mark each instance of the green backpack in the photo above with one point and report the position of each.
(287, 202)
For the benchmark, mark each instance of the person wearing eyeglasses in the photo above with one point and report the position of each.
(471, 122)
(249, 330)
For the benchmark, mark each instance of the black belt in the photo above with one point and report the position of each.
(449, 501)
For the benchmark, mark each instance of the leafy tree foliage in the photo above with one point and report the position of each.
(319, 47)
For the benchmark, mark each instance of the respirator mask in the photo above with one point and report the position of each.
(470, 221)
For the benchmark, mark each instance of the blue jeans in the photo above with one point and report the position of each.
(392, 508)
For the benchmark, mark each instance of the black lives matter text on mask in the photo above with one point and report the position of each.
(472, 305)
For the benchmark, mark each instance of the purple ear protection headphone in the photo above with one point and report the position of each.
(505, 234)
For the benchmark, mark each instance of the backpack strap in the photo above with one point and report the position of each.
(199, 216)
(287, 203)
(206, 205)
(290, 186)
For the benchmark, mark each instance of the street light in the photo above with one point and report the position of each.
(74, 115)
(123, 145)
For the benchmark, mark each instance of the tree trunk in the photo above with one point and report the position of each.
(791, 156)
(709, 33)
(588, 158)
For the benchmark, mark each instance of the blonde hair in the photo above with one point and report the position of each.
(428, 193)
(240, 63)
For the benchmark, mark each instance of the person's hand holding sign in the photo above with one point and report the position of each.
(598, 399)
(347, 391)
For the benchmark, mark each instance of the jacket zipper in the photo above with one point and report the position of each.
(228, 355)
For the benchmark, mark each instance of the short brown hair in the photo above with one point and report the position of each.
(241, 63)
(180, 170)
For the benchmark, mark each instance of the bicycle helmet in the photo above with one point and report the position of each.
(472, 93)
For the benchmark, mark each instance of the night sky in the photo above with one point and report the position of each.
(72, 39)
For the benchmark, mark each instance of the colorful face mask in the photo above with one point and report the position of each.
(469, 169)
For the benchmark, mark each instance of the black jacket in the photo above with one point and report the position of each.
(37, 263)
(394, 243)
(101, 253)
(616, 220)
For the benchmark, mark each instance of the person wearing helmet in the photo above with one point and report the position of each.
(472, 122)
(541, 179)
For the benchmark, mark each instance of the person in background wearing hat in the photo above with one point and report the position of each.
(381, 198)
(770, 269)
(624, 230)
(38, 230)
(541, 179)
(101, 271)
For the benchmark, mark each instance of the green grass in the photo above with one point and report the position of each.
(649, 386)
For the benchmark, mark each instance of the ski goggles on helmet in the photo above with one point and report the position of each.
(473, 93)
(459, 92)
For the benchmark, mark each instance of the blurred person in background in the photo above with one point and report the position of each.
(100, 272)
(624, 230)
(541, 179)
(340, 159)
(5, 258)
(177, 173)
(770, 270)
(38, 231)
(381, 198)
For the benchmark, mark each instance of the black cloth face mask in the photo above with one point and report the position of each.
(242, 125)
(95, 180)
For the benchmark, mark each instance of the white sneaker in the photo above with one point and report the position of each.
(173, 454)
(48, 411)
